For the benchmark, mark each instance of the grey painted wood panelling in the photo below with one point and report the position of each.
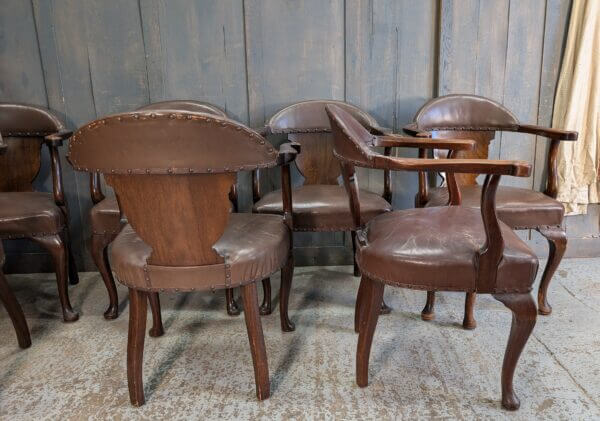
(87, 58)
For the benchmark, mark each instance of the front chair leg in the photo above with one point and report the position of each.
(232, 307)
(557, 242)
(99, 254)
(523, 321)
(428, 312)
(359, 307)
(371, 302)
(265, 307)
(15, 312)
(257, 340)
(469, 322)
(287, 273)
(157, 326)
(135, 345)
(56, 246)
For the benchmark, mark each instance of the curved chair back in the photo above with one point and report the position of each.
(172, 172)
(307, 123)
(23, 128)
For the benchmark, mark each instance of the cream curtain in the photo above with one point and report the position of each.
(577, 107)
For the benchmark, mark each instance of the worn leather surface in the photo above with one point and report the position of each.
(464, 112)
(24, 214)
(185, 105)
(437, 249)
(253, 246)
(517, 208)
(310, 116)
(323, 207)
(24, 119)
(105, 217)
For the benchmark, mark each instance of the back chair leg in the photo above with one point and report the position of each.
(56, 246)
(523, 321)
(287, 273)
(557, 242)
(73, 274)
(232, 307)
(15, 312)
(428, 312)
(100, 256)
(469, 322)
(157, 326)
(359, 307)
(265, 307)
(257, 340)
(372, 307)
(135, 345)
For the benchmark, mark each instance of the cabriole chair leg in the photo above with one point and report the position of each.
(157, 326)
(368, 323)
(100, 256)
(15, 312)
(287, 273)
(232, 307)
(265, 307)
(557, 243)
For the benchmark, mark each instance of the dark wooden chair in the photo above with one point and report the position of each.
(450, 248)
(172, 172)
(106, 223)
(8, 298)
(25, 213)
(321, 203)
(474, 117)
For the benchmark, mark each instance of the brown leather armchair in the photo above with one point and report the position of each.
(450, 248)
(106, 224)
(187, 239)
(321, 203)
(25, 213)
(8, 298)
(474, 117)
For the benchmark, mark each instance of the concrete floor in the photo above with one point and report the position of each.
(201, 368)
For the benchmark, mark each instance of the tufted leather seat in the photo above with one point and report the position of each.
(323, 207)
(419, 248)
(518, 208)
(254, 246)
(25, 214)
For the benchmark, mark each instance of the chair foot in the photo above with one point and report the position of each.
(524, 315)
(469, 322)
(557, 243)
(157, 326)
(265, 307)
(135, 345)
(373, 296)
(232, 307)
(385, 309)
(112, 312)
(287, 273)
(428, 312)
(257, 341)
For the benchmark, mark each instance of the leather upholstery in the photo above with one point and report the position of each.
(323, 207)
(28, 214)
(27, 120)
(105, 217)
(464, 112)
(518, 208)
(310, 116)
(184, 105)
(253, 246)
(437, 249)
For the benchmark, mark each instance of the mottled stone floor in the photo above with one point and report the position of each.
(201, 368)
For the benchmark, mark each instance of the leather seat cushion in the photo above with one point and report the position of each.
(254, 246)
(105, 218)
(25, 214)
(437, 249)
(323, 207)
(518, 208)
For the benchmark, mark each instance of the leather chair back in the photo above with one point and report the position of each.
(466, 117)
(307, 123)
(23, 128)
(172, 172)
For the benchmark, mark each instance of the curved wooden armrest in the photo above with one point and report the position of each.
(555, 134)
(412, 130)
(469, 166)
(415, 142)
(56, 169)
(380, 131)
(56, 139)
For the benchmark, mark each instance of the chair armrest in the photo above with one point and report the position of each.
(287, 154)
(555, 134)
(380, 131)
(56, 139)
(96, 188)
(415, 142)
(56, 169)
(412, 130)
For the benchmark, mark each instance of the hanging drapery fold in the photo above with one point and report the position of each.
(577, 107)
